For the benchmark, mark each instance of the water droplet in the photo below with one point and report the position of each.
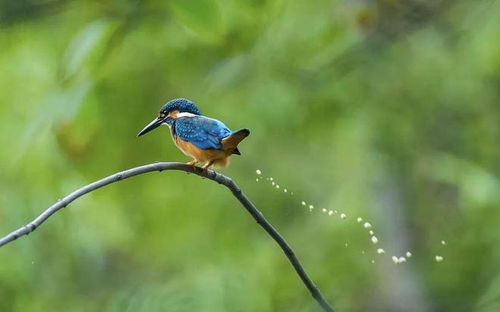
(270, 179)
(374, 239)
(346, 244)
(303, 203)
(408, 254)
(330, 212)
(380, 251)
(311, 207)
(367, 225)
(359, 219)
(362, 252)
(439, 258)
(401, 259)
(277, 186)
(343, 216)
(258, 172)
(257, 180)
(371, 232)
(395, 259)
(324, 209)
(272, 183)
(443, 242)
(285, 190)
(373, 261)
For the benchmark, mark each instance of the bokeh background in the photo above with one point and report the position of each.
(384, 110)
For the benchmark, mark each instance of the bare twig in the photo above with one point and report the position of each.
(212, 175)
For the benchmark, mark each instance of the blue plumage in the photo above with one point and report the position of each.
(204, 139)
(181, 105)
(203, 132)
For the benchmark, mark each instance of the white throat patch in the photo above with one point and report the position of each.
(185, 114)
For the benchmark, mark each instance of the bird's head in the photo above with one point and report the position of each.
(172, 109)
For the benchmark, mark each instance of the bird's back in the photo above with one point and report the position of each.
(201, 131)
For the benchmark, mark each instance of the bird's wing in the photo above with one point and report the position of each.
(202, 132)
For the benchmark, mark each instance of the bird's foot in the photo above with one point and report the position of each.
(192, 163)
(207, 165)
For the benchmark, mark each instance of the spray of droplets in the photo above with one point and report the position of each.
(272, 181)
(343, 216)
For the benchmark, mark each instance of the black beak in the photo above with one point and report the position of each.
(151, 126)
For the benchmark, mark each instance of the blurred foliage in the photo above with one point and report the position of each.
(388, 110)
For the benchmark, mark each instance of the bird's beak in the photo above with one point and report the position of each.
(151, 126)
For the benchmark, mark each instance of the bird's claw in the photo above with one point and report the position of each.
(192, 164)
(207, 165)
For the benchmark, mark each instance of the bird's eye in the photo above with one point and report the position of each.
(162, 115)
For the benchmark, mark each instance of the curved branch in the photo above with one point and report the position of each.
(212, 175)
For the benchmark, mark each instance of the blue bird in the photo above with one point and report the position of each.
(202, 138)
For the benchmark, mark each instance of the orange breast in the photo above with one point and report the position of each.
(197, 153)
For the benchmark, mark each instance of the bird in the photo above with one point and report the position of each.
(202, 138)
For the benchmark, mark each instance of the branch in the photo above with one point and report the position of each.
(212, 175)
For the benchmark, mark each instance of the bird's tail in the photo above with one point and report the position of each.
(231, 142)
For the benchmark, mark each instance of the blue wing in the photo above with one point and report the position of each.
(202, 132)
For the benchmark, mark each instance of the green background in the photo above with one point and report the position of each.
(384, 110)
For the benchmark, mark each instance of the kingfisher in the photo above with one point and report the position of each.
(202, 138)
